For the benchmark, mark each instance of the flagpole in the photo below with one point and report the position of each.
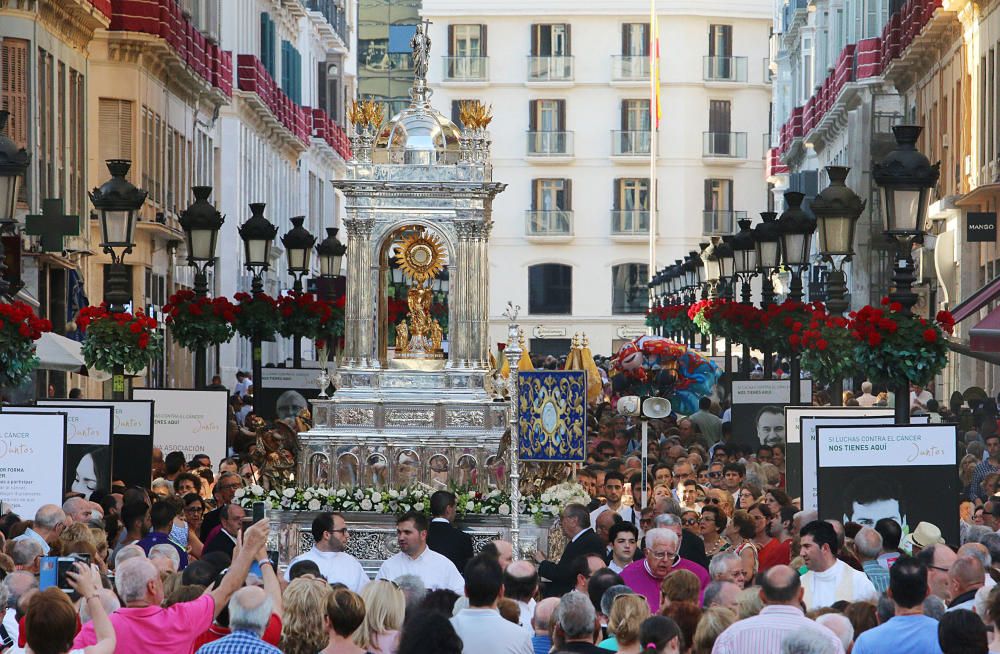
(654, 120)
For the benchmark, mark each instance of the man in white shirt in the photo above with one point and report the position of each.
(829, 579)
(866, 399)
(329, 553)
(481, 627)
(919, 397)
(520, 583)
(415, 558)
(614, 488)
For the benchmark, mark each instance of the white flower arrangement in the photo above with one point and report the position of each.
(549, 503)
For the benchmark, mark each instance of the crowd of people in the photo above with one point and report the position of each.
(710, 555)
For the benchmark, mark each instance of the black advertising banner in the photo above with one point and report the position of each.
(905, 472)
(131, 437)
(284, 392)
(981, 227)
(758, 412)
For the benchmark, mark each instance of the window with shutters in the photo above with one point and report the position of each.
(291, 72)
(157, 159)
(634, 136)
(550, 289)
(115, 128)
(719, 216)
(59, 148)
(630, 214)
(628, 288)
(77, 143)
(466, 58)
(171, 180)
(633, 62)
(547, 133)
(268, 39)
(14, 55)
(46, 128)
(550, 58)
(551, 211)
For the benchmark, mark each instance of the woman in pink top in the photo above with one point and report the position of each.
(385, 607)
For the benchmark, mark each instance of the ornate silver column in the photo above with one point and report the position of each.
(358, 315)
(513, 353)
(462, 335)
(479, 302)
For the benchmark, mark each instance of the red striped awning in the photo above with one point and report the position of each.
(985, 336)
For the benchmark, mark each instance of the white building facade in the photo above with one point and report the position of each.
(569, 82)
(282, 138)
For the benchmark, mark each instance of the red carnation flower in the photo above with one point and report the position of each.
(930, 335)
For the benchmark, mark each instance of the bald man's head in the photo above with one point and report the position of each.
(520, 581)
(780, 585)
(966, 573)
(250, 610)
(542, 622)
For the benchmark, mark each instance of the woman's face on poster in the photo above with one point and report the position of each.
(85, 480)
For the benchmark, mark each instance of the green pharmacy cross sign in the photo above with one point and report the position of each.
(52, 225)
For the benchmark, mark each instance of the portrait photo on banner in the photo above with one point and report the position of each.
(284, 393)
(87, 448)
(552, 416)
(759, 411)
(908, 473)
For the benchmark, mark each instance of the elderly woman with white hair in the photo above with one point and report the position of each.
(645, 575)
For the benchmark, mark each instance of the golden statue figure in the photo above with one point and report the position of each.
(436, 336)
(402, 337)
(418, 300)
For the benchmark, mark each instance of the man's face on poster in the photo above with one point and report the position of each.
(289, 405)
(771, 428)
(867, 515)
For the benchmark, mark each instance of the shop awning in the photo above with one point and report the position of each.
(985, 336)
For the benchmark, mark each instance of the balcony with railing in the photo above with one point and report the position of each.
(550, 69)
(725, 69)
(466, 69)
(552, 224)
(630, 68)
(550, 144)
(334, 14)
(630, 143)
(630, 222)
(720, 222)
(724, 145)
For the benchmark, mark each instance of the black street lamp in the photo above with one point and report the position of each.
(201, 223)
(797, 228)
(298, 244)
(258, 234)
(13, 165)
(745, 269)
(330, 253)
(119, 202)
(767, 240)
(906, 177)
(837, 210)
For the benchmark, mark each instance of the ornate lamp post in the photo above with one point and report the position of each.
(906, 177)
(837, 210)
(797, 228)
(201, 223)
(119, 202)
(727, 264)
(767, 241)
(745, 248)
(298, 244)
(258, 234)
(13, 165)
(330, 253)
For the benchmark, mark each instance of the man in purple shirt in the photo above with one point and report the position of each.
(162, 518)
(645, 575)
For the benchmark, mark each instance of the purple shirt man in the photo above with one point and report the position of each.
(644, 576)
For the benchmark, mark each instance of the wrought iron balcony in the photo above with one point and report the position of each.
(725, 69)
(466, 69)
(726, 145)
(550, 144)
(629, 68)
(630, 143)
(720, 222)
(550, 69)
(630, 222)
(549, 223)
